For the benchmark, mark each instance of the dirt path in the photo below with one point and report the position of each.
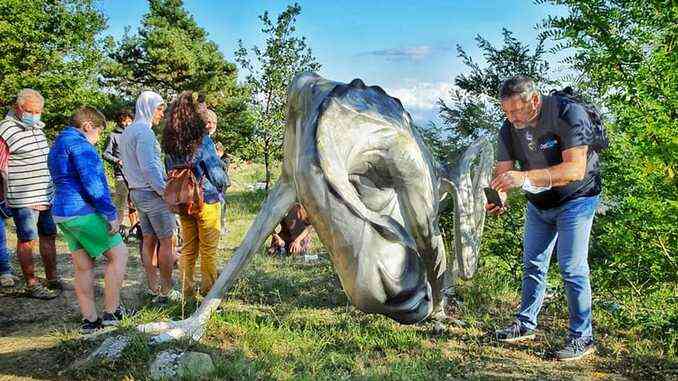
(29, 327)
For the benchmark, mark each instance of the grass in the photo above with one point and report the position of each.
(287, 320)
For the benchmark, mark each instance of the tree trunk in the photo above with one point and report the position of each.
(267, 155)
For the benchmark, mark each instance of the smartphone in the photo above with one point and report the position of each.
(493, 197)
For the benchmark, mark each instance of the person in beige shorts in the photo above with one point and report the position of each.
(111, 154)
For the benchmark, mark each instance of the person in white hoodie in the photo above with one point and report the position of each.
(145, 174)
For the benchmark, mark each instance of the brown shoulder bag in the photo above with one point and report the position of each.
(183, 193)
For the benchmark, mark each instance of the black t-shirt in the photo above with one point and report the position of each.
(562, 124)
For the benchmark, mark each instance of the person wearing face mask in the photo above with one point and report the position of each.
(85, 213)
(549, 138)
(29, 191)
(146, 177)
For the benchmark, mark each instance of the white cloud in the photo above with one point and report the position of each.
(412, 53)
(420, 99)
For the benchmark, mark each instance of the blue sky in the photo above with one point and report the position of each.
(407, 47)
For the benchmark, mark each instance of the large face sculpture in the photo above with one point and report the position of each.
(371, 190)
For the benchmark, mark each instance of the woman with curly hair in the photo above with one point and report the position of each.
(186, 142)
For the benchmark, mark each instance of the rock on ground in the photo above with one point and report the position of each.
(174, 365)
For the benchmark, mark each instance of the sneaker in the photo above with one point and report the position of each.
(514, 332)
(88, 327)
(172, 296)
(576, 348)
(7, 280)
(54, 284)
(113, 319)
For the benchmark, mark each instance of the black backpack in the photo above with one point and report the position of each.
(600, 140)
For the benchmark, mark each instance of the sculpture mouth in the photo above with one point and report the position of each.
(412, 306)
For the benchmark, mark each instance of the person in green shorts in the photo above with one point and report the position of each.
(87, 217)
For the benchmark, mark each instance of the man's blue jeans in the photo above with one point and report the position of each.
(569, 227)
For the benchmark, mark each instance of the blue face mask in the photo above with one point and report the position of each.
(30, 119)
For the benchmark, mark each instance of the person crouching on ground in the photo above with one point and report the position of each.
(294, 235)
(186, 142)
(85, 213)
(145, 174)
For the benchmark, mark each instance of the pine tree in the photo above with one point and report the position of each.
(171, 53)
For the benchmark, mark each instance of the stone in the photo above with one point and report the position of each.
(111, 348)
(175, 365)
(439, 328)
(195, 365)
(164, 367)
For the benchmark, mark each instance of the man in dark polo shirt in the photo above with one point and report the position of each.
(544, 148)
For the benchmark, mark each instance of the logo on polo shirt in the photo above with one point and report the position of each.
(551, 143)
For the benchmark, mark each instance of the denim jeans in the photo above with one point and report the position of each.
(31, 223)
(569, 227)
(5, 267)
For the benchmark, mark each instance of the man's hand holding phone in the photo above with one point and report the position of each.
(496, 201)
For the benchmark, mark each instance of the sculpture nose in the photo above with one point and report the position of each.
(408, 294)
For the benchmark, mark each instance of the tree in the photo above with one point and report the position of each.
(171, 53)
(270, 72)
(53, 47)
(624, 51)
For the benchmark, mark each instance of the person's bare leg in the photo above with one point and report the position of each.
(24, 252)
(166, 262)
(148, 248)
(84, 284)
(133, 219)
(48, 253)
(113, 276)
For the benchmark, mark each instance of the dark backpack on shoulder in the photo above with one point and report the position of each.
(600, 140)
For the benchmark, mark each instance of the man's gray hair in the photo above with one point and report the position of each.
(27, 94)
(518, 85)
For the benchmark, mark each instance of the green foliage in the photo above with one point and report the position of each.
(171, 53)
(53, 47)
(625, 52)
(270, 71)
(474, 110)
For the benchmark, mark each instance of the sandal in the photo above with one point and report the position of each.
(38, 291)
(7, 280)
